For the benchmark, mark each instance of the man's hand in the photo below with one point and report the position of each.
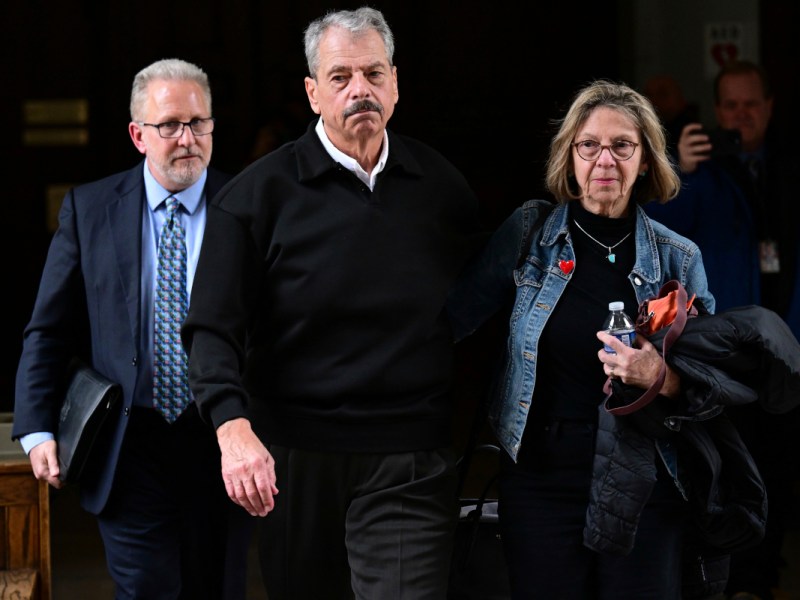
(248, 468)
(693, 147)
(44, 463)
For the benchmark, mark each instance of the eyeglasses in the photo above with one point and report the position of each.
(174, 129)
(591, 150)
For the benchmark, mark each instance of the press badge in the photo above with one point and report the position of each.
(768, 253)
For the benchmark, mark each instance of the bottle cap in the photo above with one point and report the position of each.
(616, 305)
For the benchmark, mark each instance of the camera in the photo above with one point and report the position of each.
(724, 142)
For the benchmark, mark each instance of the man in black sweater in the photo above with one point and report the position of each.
(318, 344)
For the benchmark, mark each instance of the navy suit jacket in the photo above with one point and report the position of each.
(89, 305)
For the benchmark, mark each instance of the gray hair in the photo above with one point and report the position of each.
(661, 182)
(357, 22)
(170, 69)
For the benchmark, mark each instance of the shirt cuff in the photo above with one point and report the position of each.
(34, 439)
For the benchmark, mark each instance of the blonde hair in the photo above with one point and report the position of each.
(660, 182)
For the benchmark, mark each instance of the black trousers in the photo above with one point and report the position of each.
(166, 528)
(542, 508)
(366, 526)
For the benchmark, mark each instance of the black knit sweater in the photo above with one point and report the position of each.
(319, 302)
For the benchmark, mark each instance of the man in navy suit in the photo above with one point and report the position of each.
(154, 485)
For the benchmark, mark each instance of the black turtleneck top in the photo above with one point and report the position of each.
(569, 376)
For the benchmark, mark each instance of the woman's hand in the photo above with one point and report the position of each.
(638, 366)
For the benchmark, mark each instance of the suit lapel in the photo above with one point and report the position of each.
(125, 222)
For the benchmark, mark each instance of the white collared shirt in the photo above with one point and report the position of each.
(350, 163)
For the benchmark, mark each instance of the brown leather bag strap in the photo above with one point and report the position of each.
(673, 333)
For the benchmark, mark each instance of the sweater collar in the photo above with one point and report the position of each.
(313, 160)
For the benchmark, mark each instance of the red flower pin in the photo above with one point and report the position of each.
(566, 266)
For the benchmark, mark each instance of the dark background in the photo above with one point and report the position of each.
(479, 81)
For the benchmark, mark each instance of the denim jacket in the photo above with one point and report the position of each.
(537, 284)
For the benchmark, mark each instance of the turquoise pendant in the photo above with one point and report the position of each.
(612, 258)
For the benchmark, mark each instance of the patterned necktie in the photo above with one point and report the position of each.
(170, 373)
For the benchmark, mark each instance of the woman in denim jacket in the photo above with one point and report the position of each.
(560, 266)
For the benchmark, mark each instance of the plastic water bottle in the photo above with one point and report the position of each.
(619, 324)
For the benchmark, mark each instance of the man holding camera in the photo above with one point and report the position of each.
(738, 202)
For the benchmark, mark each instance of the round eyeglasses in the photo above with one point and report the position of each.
(591, 150)
(174, 129)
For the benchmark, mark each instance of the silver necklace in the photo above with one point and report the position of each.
(612, 258)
